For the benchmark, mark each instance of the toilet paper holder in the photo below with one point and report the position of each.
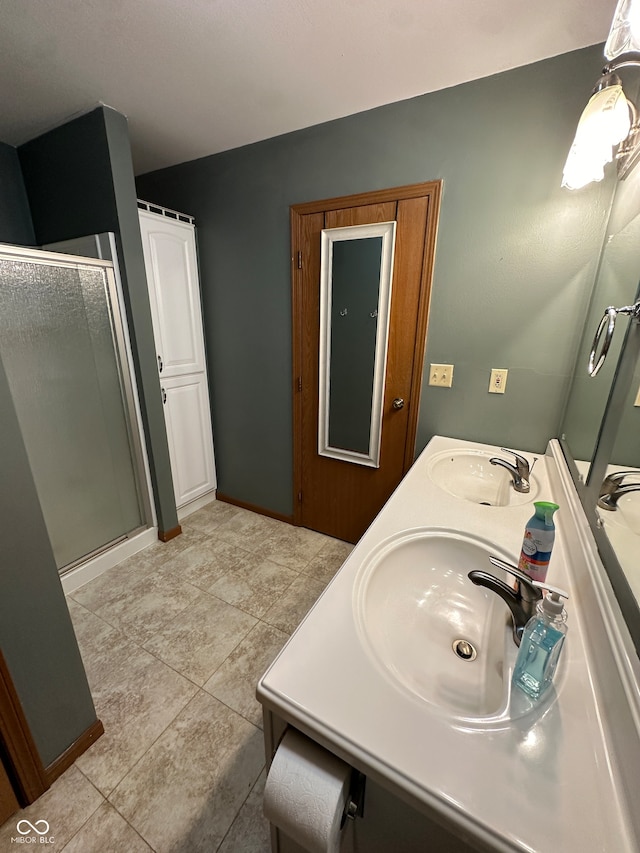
(355, 801)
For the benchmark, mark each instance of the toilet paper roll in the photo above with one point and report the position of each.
(306, 793)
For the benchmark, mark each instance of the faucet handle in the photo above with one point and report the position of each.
(521, 462)
(616, 478)
(513, 570)
(537, 586)
(549, 588)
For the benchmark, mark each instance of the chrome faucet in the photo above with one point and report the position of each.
(521, 601)
(520, 472)
(613, 488)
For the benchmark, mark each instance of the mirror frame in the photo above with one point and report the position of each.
(386, 230)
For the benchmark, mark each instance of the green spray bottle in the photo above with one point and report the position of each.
(538, 541)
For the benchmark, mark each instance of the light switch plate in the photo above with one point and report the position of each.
(441, 375)
(498, 380)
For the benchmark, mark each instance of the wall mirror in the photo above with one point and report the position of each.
(600, 433)
(355, 298)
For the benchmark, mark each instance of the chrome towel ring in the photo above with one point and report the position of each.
(608, 321)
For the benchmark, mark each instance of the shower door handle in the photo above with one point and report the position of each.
(164, 396)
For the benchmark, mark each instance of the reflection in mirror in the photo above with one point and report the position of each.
(588, 395)
(619, 511)
(626, 450)
(355, 295)
(600, 425)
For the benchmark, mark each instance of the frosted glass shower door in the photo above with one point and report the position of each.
(59, 347)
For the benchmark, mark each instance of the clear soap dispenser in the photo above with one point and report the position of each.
(541, 644)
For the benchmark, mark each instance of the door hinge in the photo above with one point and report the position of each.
(299, 497)
(299, 261)
(299, 383)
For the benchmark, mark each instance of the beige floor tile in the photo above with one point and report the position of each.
(198, 640)
(163, 551)
(147, 607)
(135, 703)
(104, 649)
(247, 530)
(116, 580)
(184, 794)
(328, 560)
(234, 683)
(66, 806)
(249, 832)
(210, 517)
(292, 546)
(204, 563)
(287, 613)
(254, 586)
(107, 832)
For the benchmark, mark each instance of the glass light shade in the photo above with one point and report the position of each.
(606, 118)
(584, 165)
(604, 123)
(625, 29)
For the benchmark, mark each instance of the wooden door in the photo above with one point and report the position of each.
(22, 774)
(174, 293)
(333, 496)
(8, 801)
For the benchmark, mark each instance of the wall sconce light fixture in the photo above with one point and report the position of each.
(609, 126)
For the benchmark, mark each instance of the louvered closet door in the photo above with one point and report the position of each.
(174, 293)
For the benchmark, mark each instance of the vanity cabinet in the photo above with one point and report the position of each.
(456, 759)
(388, 823)
(171, 265)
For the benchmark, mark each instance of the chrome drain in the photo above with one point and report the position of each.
(464, 650)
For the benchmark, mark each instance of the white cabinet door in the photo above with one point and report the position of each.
(174, 293)
(174, 290)
(188, 420)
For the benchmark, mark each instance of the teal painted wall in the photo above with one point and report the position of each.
(15, 217)
(515, 260)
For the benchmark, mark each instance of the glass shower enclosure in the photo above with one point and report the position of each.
(63, 346)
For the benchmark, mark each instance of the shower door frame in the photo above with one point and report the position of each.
(126, 374)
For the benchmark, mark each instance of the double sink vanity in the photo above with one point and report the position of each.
(402, 669)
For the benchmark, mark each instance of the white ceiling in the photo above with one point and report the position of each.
(195, 77)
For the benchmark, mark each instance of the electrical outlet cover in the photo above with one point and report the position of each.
(498, 380)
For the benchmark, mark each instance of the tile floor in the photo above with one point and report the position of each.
(174, 640)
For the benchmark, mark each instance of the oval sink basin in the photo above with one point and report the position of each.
(414, 604)
(627, 514)
(469, 475)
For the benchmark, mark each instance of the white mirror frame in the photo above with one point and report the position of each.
(386, 230)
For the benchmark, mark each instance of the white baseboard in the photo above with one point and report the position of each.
(195, 505)
(94, 568)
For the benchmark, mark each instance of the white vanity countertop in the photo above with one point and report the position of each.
(543, 782)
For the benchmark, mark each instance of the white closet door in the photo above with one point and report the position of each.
(188, 420)
(170, 261)
(174, 293)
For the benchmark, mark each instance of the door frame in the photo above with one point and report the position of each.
(17, 747)
(431, 190)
